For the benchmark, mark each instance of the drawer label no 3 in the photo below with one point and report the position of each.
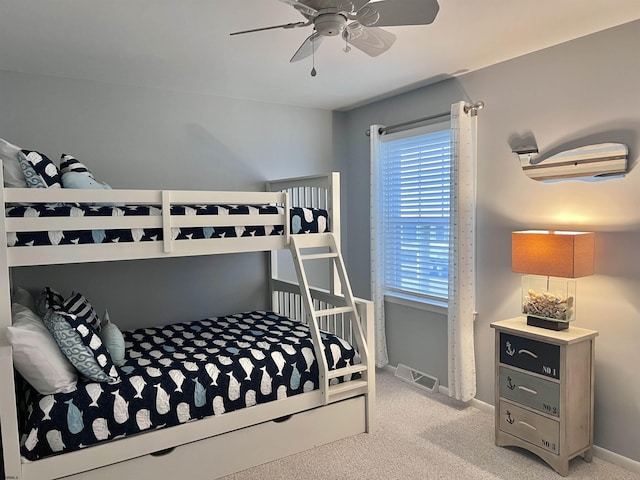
(530, 427)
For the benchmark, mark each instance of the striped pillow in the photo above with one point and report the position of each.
(78, 305)
(49, 299)
(69, 164)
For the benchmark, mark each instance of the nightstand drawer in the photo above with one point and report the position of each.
(531, 427)
(531, 355)
(534, 392)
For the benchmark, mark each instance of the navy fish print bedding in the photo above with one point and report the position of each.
(177, 373)
(303, 220)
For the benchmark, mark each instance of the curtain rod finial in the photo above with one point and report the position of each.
(473, 108)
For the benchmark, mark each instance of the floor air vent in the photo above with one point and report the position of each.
(419, 379)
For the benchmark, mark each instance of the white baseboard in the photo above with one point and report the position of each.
(602, 453)
(616, 459)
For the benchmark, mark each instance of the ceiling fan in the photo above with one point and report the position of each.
(331, 17)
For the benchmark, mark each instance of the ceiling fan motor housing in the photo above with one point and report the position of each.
(330, 24)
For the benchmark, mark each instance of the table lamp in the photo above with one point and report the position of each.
(552, 260)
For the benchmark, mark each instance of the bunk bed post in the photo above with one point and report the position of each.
(167, 239)
(8, 410)
(365, 311)
(333, 206)
(273, 254)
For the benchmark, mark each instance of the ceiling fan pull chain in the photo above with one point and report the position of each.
(313, 59)
(345, 35)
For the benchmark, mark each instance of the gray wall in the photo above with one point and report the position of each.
(143, 138)
(584, 91)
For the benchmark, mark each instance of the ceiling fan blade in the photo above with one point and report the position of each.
(371, 40)
(308, 47)
(401, 12)
(286, 25)
(303, 7)
(345, 6)
(358, 4)
(319, 4)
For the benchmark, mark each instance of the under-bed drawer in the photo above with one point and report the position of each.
(240, 449)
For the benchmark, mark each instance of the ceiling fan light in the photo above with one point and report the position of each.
(330, 24)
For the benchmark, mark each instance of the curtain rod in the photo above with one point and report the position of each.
(473, 108)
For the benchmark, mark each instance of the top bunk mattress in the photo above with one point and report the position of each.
(302, 220)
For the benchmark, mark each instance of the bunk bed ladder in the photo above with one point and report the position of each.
(298, 245)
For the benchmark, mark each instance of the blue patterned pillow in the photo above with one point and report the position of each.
(78, 305)
(32, 178)
(46, 171)
(82, 346)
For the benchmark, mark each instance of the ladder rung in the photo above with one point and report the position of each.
(332, 311)
(340, 372)
(312, 241)
(315, 256)
(346, 387)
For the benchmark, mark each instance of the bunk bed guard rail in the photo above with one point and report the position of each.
(165, 220)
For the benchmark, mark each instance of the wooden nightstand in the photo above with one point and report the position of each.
(544, 391)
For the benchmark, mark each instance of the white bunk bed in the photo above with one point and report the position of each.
(217, 445)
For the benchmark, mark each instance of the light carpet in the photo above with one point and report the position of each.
(422, 435)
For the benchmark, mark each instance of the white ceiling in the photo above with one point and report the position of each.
(185, 45)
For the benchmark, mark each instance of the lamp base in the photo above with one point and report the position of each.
(548, 324)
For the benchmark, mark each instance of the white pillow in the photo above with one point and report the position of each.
(24, 297)
(13, 175)
(37, 356)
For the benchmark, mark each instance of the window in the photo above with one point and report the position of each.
(415, 177)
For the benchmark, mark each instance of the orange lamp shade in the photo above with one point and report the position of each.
(554, 254)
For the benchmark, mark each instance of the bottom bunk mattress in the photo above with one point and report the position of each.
(178, 373)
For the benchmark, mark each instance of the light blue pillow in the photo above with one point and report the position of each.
(82, 180)
(82, 346)
(112, 339)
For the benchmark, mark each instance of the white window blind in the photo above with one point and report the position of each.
(416, 172)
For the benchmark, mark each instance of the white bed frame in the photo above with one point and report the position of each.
(219, 445)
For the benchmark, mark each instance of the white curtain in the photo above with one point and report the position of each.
(461, 307)
(377, 250)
